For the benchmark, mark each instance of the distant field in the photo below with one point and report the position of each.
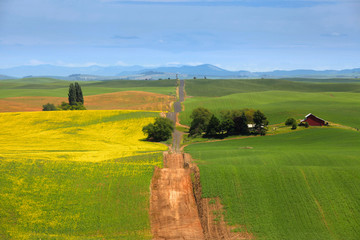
(325, 80)
(278, 99)
(76, 175)
(20, 95)
(59, 88)
(134, 100)
(299, 185)
(218, 88)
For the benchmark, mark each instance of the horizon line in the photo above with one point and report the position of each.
(174, 66)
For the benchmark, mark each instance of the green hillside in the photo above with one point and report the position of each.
(337, 107)
(278, 99)
(218, 88)
(299, 185)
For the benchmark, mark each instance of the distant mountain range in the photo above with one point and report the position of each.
(139, 72)
(5, 77)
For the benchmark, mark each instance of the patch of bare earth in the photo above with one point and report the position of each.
(135, 100)
(211, 212)
(173, 210)
(27, 104)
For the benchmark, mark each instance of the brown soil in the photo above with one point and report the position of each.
(135, 100)
(173, 210)
(27, 104)
(216, 227)
(211, 212)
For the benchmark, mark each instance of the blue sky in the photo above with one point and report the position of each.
(255, 35)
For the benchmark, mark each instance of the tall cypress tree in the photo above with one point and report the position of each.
(79, 94)
(72, 94)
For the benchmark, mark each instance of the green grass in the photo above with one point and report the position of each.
(298, 185)
(76, 200)
(218, 88)
(339, 107)
(325, 80)
(58, 88)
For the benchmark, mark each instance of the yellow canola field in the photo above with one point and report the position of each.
(90, 136)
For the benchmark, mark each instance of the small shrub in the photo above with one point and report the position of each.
(49, 107)
(306, 124)
(294, 126)
(290, 122)
(262, 131)
(64, 106)
(76, 106)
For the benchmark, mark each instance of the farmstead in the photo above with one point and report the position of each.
(312, 120)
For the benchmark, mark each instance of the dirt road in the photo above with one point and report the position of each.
(174, 117)
(173, 210)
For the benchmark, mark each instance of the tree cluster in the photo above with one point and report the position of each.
(231, 122)
(160, 130)
(75, 94)
(75, 97)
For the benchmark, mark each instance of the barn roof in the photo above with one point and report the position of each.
(314, 116)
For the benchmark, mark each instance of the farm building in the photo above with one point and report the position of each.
(313, 120)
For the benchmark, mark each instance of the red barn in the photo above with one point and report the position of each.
(313, 120)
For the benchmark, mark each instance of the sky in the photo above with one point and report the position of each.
(254, 35)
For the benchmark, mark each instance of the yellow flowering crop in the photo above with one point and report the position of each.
(90, 136)
(76, 174)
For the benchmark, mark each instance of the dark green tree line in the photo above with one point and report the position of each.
(214, 127)
(231, 122)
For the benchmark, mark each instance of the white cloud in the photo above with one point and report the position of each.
(35, 62)
(121, 63)
(173, 64)
(87, 64)
(194, 63)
